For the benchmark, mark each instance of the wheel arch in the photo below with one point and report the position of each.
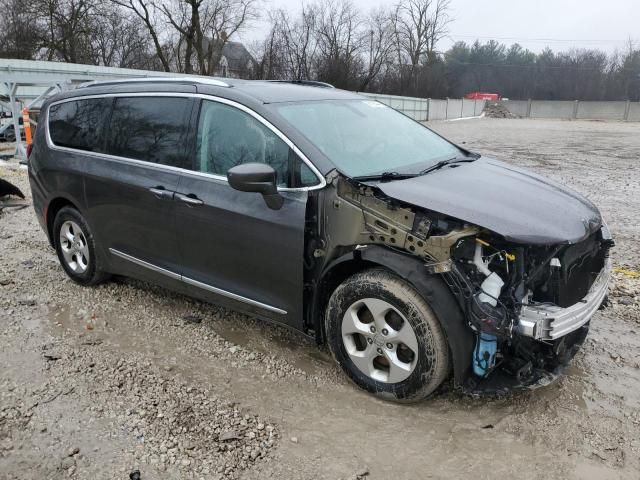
(53, 207)
(431, 287)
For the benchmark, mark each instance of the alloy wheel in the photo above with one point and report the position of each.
(74, 247)
(379, 340)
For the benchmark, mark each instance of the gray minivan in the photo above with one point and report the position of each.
(413, 258)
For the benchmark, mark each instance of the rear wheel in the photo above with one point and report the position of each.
(75, 247)
(385, 337)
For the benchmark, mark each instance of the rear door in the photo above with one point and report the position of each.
(129, 189)
(232, 244)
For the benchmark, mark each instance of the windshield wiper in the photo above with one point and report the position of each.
(385, 177)
(444, 163)
(389, 176)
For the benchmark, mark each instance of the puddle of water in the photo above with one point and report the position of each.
(103, 326)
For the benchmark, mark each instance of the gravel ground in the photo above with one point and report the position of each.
(102, 382)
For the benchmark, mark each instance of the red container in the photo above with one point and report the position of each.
(482, 96)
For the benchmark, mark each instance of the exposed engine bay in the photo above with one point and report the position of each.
(525, 304)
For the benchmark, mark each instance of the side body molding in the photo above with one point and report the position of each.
(195, 283)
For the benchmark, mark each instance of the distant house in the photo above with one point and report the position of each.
(235, 62)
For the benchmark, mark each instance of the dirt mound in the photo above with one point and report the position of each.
(497, 110)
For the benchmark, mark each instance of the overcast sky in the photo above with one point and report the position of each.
(535, 24)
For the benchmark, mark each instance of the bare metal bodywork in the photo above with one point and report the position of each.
(358, 222)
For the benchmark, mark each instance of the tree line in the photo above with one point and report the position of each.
(392, 49)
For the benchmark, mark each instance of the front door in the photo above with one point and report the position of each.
(232, 243)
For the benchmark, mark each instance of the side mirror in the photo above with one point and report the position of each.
(259, 178)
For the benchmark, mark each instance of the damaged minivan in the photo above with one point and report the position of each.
(413, 259)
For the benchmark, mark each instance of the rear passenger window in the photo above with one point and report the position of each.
(78, 124)
(151, 129)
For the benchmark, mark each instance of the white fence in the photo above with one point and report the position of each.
(425, 109)
(574, 110)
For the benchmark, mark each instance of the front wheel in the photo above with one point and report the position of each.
(385, 337)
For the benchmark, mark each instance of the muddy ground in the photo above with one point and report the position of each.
(96, 383)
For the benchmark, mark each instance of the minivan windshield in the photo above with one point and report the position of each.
(366, 138)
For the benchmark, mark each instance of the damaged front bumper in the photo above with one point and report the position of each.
(506, 380)
(545, 339)
(550, 322)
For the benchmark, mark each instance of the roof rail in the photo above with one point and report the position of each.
(205, 81)
(308, 83)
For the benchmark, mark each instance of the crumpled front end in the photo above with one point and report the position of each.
(530, 306)
(526, 305)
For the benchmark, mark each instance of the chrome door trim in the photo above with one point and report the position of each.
(196, 283)
(233, 296)
(322, 181)
(144, 264)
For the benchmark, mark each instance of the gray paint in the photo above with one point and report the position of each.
(521, 206)
(236, 243)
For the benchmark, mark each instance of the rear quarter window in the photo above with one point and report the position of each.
(79, 123)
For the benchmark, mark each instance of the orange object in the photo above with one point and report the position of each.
(27, 126)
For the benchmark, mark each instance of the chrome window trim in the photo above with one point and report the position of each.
(196, 283)
(322, 181)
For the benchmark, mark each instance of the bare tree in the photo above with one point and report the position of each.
(418, 27)
(19, 34)
(378, 44)
(338, 43)
(298, 42)
(68, 28)
(205, 26)
(393, 50)
(269, 55)
(120, 39)
(143, 9)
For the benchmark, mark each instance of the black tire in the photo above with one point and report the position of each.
(432, 364)
(93, 274)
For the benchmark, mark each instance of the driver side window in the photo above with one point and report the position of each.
(227, 137)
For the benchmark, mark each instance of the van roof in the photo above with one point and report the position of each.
(264, 91)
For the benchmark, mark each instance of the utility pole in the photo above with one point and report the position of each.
(370, 49)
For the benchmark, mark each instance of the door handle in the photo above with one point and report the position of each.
(190, 199)
(161, 192)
